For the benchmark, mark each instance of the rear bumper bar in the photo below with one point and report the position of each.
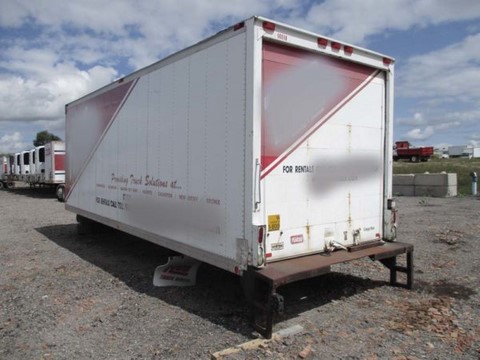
(265, 281)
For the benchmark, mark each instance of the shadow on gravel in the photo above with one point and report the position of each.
(36, 193)
(218, 295)
(444, 288)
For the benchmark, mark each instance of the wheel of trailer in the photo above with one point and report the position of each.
(60, 192)
(414, 159)
(2, 185)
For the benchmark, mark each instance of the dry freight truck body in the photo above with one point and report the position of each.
(254, 150)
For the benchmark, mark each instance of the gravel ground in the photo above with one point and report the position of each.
(65, 296)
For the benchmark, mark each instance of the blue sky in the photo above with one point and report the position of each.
(53, 52)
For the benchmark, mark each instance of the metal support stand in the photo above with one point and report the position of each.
(260, 285)
(391, 264)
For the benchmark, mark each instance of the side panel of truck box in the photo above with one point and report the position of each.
(164, 158)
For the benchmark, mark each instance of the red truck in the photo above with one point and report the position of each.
(404, 150)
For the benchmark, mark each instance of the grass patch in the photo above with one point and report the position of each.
(462, 167)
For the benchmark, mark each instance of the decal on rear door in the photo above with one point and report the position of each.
(302, 90)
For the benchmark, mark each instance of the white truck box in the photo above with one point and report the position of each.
(40, 160)
(17, 164)
(254, 150)
(262, 143)
(32, 169)
(456, 151)
(24, 163)
(476, 152)
(4, 169)
(54, 163)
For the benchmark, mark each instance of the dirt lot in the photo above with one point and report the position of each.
(65, 296)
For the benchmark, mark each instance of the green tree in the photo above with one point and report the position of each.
(44, 137)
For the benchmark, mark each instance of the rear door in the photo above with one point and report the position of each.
(322, 144)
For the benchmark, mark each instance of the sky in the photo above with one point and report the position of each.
(54, 51)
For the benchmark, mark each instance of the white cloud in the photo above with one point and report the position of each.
(13, 142)
(474, 140)
(80, 45)
(428, 131)
(356, 20)
(442, 146)
(39, 83)
(419, 134)
(439, 121)
(451, 74)
(416, 120)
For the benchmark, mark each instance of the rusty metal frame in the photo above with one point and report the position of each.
(263, 283)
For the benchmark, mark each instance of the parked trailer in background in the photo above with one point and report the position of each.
(4, 165)
(11, 164)
(17, 164)
(24, 165)
(255, 150)
(32, 155)
(54, 167)
(4, 169)
(7, 170)
(41, 166)
(39, 163)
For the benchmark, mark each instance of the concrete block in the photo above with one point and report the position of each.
(435, 179)
(436, 191)
(403, 179)
(452, 190)
(403, 190)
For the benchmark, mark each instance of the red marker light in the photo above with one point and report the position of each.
(238, 26)
(387, 61)
(260, 234)
(336, 45)
(348, 49)
(268, 26)
(322, 42)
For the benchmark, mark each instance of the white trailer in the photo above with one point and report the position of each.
(4, 170)
(17, 164)
(254, 150)
(7, 170)
(4, 166)
(40, 166)
(39, 163)
(24, 165)
(51, 168)
(32, 172)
